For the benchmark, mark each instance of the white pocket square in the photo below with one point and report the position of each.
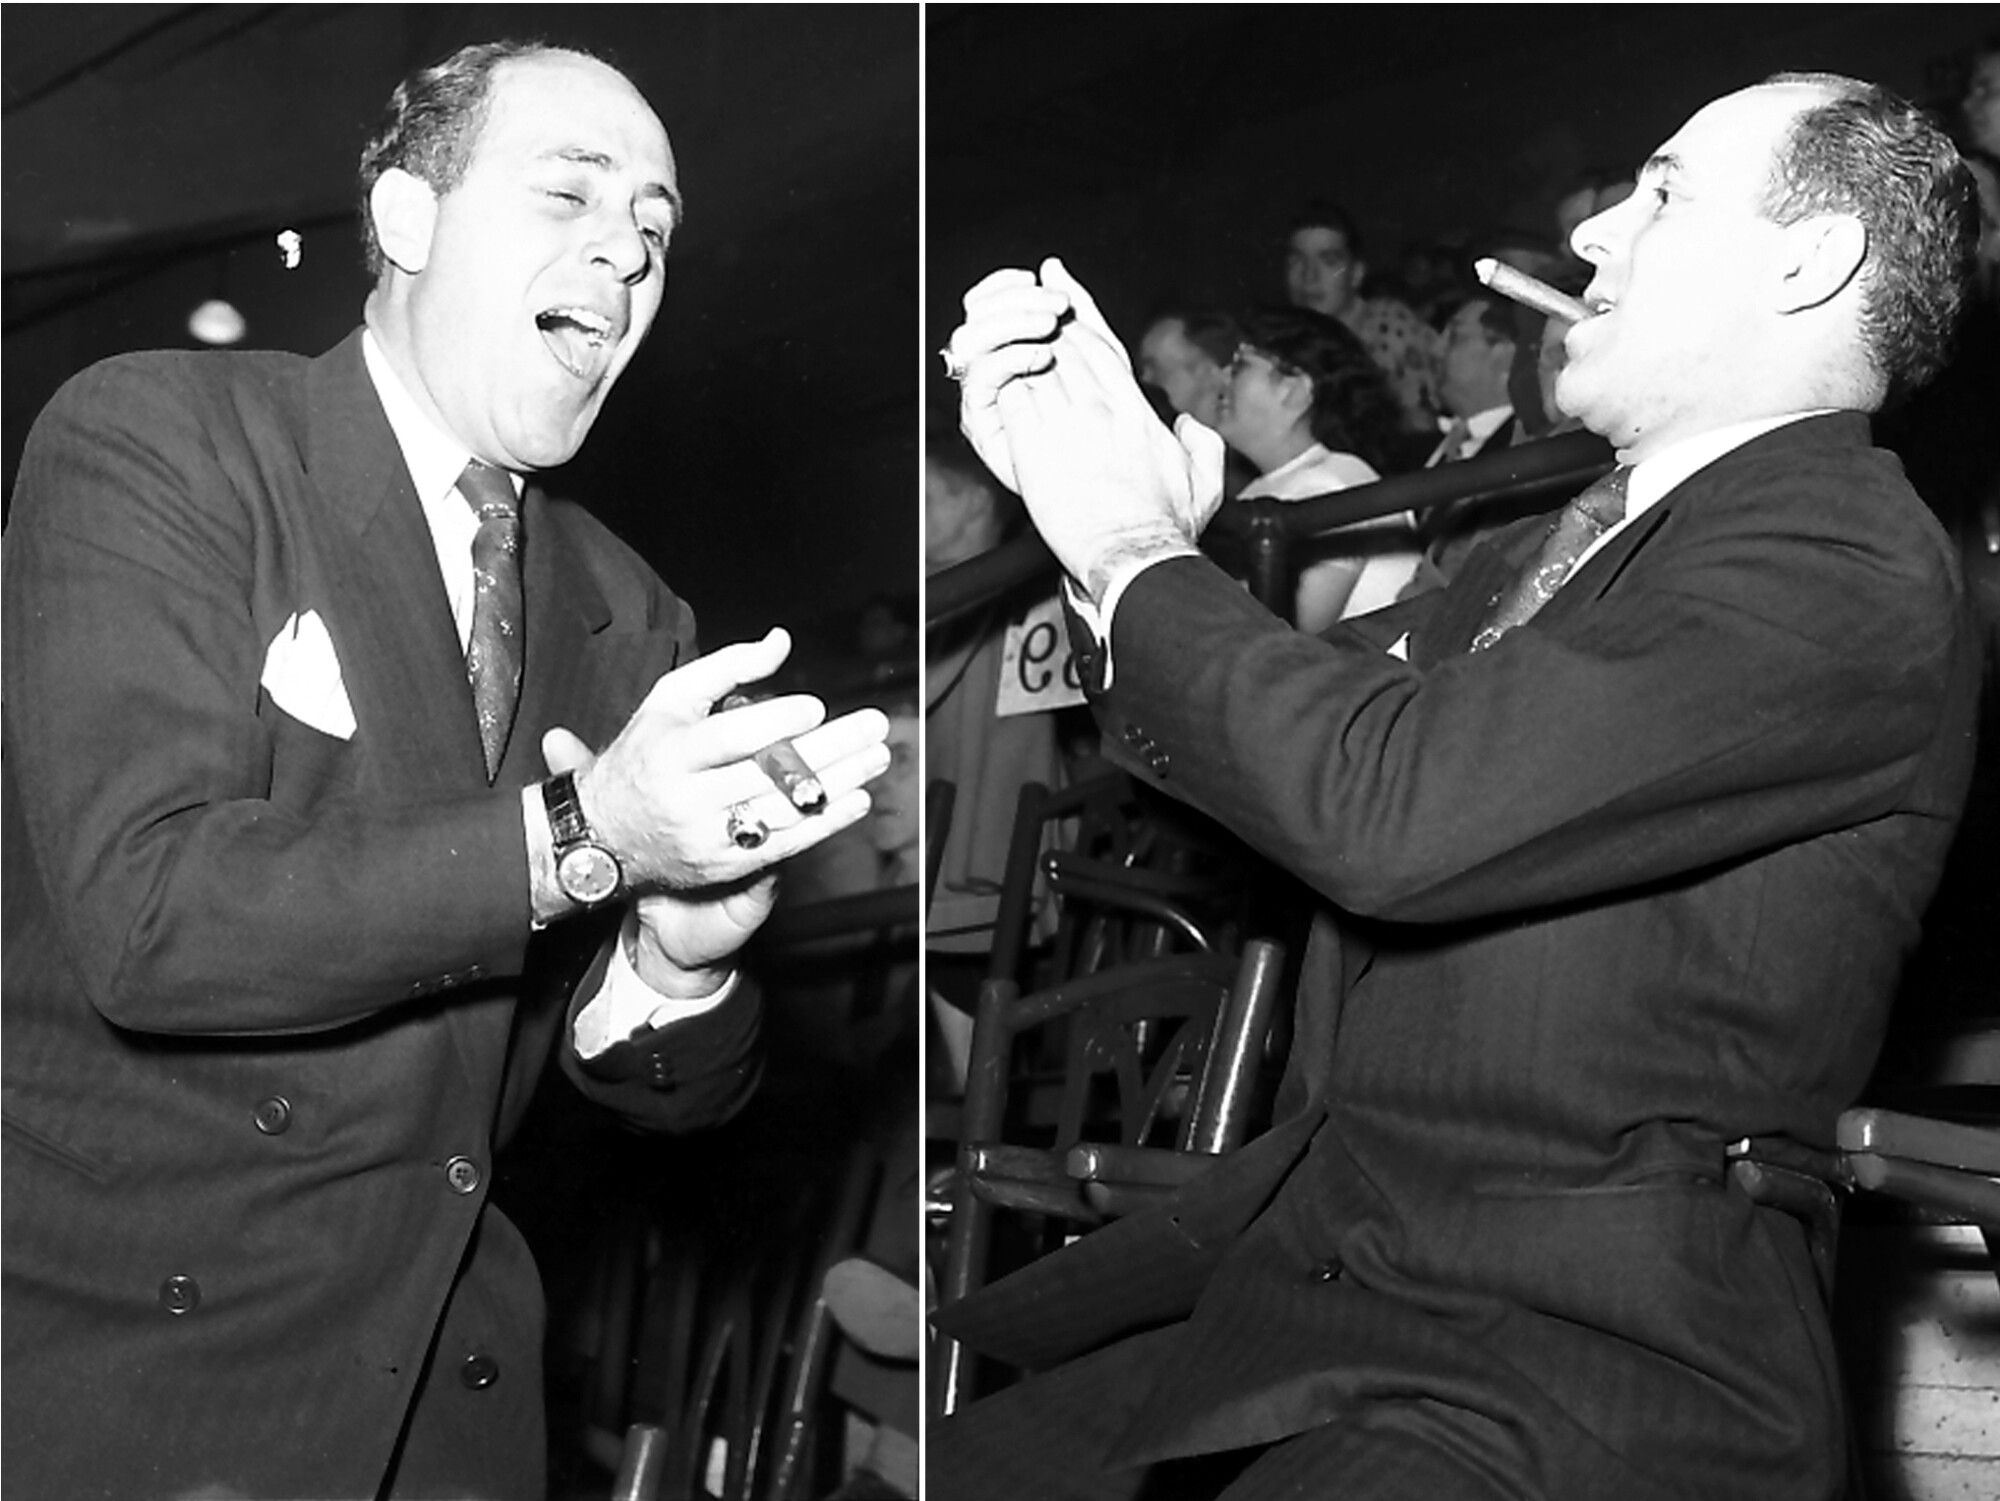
(302, 675)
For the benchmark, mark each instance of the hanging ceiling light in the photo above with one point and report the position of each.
(216, 321)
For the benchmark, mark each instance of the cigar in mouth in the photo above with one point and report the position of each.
(781, 762)
(1528, 291)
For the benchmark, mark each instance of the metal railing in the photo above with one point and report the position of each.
(1268, 537)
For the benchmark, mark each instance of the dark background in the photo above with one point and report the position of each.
(761, 449)
(1161, 149)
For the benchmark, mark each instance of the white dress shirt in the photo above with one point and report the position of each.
(624, 1003)
(1478, 428)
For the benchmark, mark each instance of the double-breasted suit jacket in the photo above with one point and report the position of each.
(271, 995)
(1634, 882)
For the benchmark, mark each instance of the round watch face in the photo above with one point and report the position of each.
(587, 874)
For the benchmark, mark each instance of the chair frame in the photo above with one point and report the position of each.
(1210, 1065)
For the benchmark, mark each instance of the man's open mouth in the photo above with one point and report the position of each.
(578, 337)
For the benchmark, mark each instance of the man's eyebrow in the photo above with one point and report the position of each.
(1661, 163)
(661, 191)
(584, 157)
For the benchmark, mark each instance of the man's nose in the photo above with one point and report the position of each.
(622, 248)
(1591, 240)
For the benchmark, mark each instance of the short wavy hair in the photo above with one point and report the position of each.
(431, 125)
(1869, 153)
(1354, 407)
(1324, 213)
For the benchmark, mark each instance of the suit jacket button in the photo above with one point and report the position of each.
(273, 1116)
(1133, 734)
(1326, 1271)
(462, 1173)
(180, 1294)
(479, 1372)
(1159, 761)
(659, 1072)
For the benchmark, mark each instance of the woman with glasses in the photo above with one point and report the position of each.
(1308, 406)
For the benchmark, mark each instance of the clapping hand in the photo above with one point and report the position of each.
(661, 796)
(1049, 403)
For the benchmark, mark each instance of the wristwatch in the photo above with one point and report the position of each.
(587, 872)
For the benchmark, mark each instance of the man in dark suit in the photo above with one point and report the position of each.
(1478, 354)
(1629, 830)
(1479, 417)
(294, 909)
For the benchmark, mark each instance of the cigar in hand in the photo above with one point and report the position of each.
(1528, 291)
(782, 763)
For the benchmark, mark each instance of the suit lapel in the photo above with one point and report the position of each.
(1597, 575)
(1488, 570)
(564, 609)
(393, 633)
(390, 620)
(1484, 575)
(1600, 574)
(1500, 439)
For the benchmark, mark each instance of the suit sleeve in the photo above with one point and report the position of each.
(187, 900)
(1771, 668)
(695, 1072)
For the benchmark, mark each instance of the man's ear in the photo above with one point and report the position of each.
(404, 208)
(1822, 254)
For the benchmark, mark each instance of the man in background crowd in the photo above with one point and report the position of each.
(1184, 354)
(1478, 354)
(1325, 271)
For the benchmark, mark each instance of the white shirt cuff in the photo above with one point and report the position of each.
(626, 1004)
(546, 901)
(1110, 577)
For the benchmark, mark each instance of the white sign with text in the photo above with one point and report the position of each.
(1037, 673)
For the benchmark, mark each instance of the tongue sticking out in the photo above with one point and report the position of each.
(578, 345)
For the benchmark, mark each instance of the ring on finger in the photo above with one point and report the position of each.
(746, 830)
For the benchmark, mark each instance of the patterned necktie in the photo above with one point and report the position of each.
(493, 659)
(1579, 524)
